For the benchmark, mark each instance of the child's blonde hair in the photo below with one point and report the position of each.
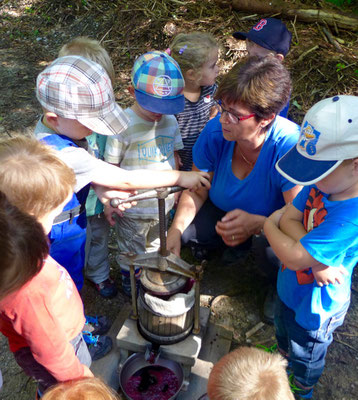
(81, 389)
(91, 49)
(249, 374)
(192, 50)
(32, 177)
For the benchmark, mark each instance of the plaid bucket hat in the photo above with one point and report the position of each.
(158, 83)
(77, 88)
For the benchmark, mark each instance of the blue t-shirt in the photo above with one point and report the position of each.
(261, 191)
(332, 239)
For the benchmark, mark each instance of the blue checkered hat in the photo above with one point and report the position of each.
(158, 83)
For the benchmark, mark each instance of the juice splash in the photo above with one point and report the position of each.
(152, 383)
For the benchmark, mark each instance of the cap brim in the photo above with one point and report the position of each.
(111, 123)
(160, 106)
(240, 35)
(302, 170)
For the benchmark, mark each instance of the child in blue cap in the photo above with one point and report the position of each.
(151, 142)
(316, 237)
(268, 36)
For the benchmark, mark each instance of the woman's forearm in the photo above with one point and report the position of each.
(189, 205)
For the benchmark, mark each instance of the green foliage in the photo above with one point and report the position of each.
(340, 2)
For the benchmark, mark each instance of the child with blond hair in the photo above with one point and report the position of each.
(248, 373)
(197, 55)
(316, 238)
(96, 249)
(81, 389)
(41, 312)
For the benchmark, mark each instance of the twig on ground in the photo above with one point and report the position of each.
(253, 330)
(294, 28)
(345, 344)
(303, 55)
(331, 39)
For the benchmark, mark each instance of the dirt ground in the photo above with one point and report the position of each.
(33, 31)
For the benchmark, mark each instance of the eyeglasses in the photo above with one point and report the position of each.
(233, 118)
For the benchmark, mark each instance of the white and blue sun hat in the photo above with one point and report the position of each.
(329, 135)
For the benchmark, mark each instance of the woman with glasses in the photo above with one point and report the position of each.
(239, 148)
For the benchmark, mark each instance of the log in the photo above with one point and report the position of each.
(263, 7)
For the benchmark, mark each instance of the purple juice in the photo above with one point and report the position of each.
(152, 383)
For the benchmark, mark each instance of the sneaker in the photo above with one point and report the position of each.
(269, 305)
(107, 288)
(305, 394)
(97, 325)
(98, 346)
(199, 252)
(126, 281)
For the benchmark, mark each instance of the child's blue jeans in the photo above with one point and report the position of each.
(306, 349)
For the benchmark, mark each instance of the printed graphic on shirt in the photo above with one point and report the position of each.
(65, 277)
(313, 215)
(159, 149)
(308, 139)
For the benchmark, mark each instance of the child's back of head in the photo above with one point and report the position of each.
(23, 247)
(32, 177)
(91, 49)
(249, 374)
(192, 50)
(82, 389)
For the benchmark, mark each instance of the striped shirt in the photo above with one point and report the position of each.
(145, 145)
(191, 122)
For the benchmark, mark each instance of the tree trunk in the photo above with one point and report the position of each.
(308, 15)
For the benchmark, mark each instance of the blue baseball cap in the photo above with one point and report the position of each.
(270, 33)
(158, 83)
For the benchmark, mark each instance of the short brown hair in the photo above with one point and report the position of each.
(81, 389)
(249, 374)
(23, 247)
(32, 177)
(91, 49)
(262, 84)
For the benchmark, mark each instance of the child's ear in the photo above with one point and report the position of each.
(355, 166)
(190, 75)
(131, 90)
(50, 118)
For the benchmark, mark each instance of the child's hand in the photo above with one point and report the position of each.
(109, 213)
(276, 215)
(325, 275)
(194, 180)
(174, 241)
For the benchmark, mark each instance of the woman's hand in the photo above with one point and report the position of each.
(194, 180)
(236, 227)
(174, 241)
(325, 275)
